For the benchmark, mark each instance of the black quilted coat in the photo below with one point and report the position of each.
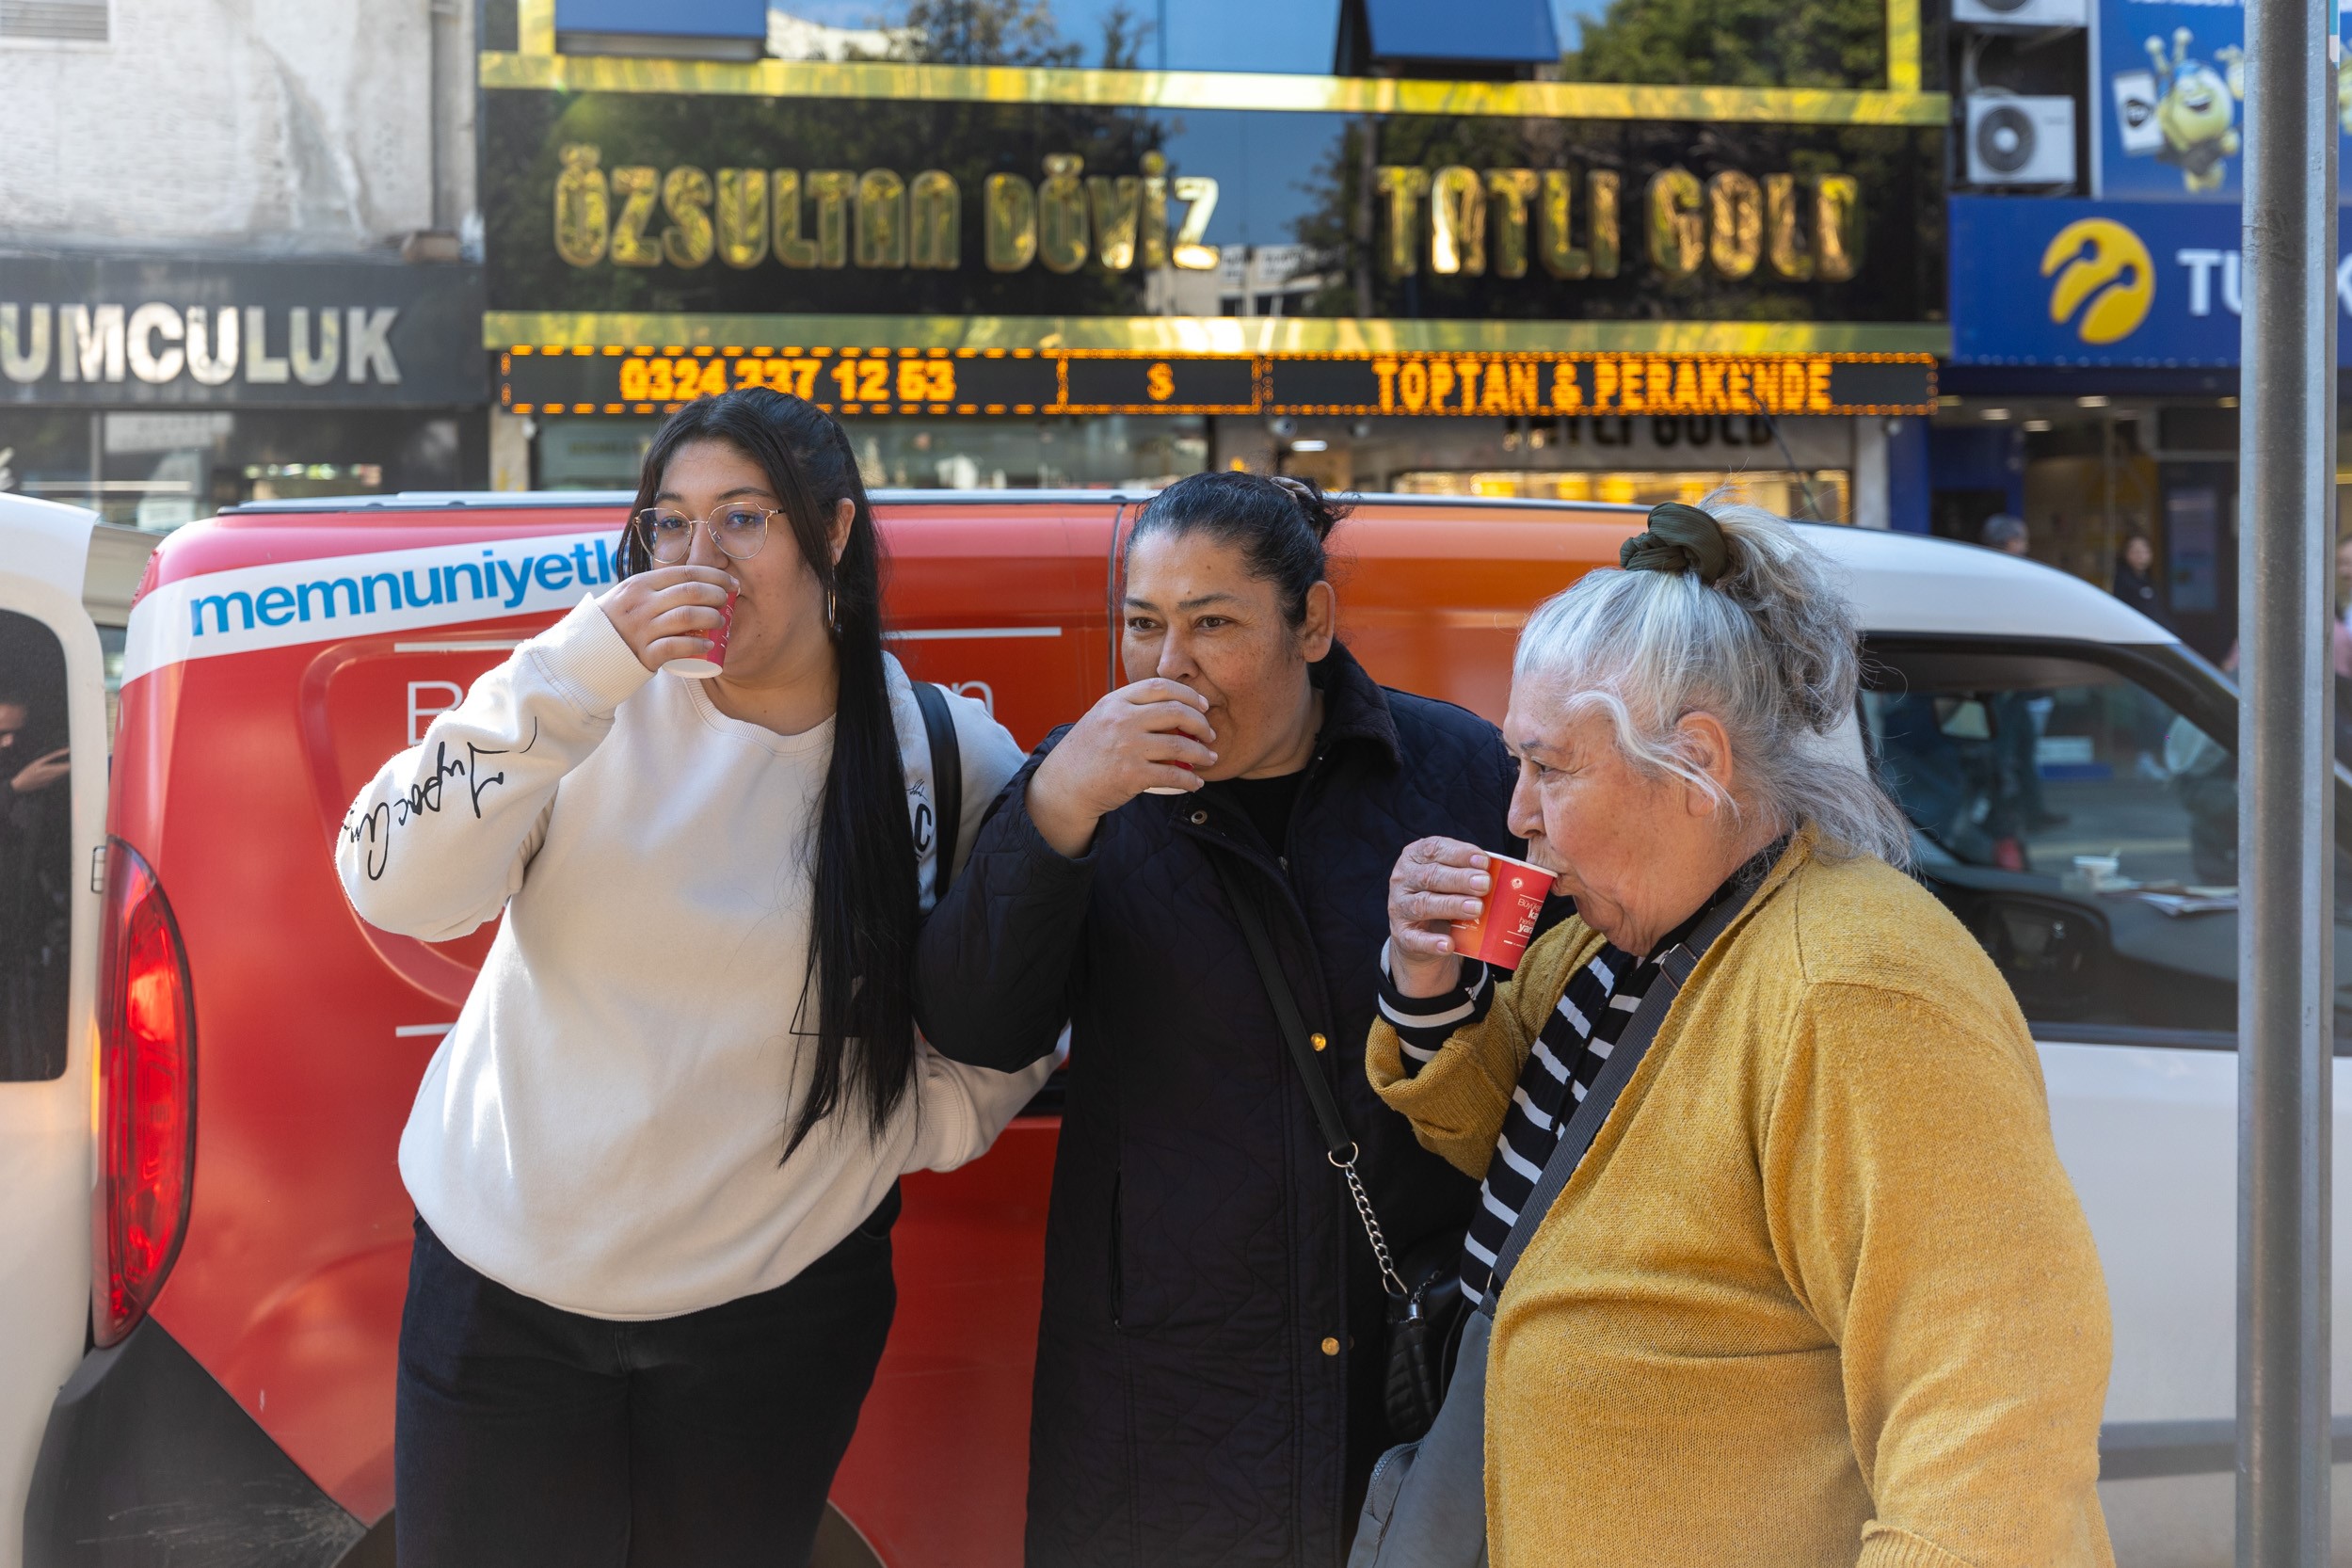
(1211, 1357)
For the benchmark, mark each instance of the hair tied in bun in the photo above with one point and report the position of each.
(1680, 538)
(1321, 514)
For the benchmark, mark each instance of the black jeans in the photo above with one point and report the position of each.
(526, 1435)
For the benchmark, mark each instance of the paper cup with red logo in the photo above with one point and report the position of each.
(712, 663)
(1501, 932)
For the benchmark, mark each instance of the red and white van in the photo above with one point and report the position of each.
(205, 1058)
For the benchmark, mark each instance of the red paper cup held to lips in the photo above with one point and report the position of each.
(1501, 933)
(708, 665)
(1170, 789)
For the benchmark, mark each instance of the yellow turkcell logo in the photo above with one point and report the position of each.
(2104, 264)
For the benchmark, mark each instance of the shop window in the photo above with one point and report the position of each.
(36, 851)
(1818, 496)
(1101, 453)
(2192, 524)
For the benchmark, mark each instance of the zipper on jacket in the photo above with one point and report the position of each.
(1118, 1260)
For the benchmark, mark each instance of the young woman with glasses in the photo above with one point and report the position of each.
(655, 1163)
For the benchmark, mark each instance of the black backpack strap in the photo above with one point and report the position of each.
(1339, 1148)
(947, 781)
(1673, 968)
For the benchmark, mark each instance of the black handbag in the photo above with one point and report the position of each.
(1424, 1335)
(1425, 1299)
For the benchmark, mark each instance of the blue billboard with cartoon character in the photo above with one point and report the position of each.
(2148, 284)
(2169, 100)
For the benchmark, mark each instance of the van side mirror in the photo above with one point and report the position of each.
(2052, 953)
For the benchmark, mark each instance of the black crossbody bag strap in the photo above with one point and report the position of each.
(1339, 1148)
(1673, 968)
(947, 781)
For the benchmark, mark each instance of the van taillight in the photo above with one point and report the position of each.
(147, 1096)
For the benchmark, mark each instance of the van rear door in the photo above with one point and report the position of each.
(53, 811)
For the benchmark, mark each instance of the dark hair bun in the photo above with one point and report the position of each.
(1323, 514)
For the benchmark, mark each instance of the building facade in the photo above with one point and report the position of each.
(1497, 284)
(242, 256)
(2097, 294)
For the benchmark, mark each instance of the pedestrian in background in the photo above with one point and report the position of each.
(2017, 721)
(1818, 1285)
(2006, 532)
(2340, 648)
(1210, 1361)
(2135, 579)
(656, 1163)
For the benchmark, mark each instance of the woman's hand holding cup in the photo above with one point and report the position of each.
(1151, 735)
(1436, 883)
(670, 612)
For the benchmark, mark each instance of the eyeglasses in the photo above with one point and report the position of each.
(738, 530)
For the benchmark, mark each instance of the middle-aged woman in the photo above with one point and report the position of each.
(1818, 1291)
(656, 1162)
(1211, 1359)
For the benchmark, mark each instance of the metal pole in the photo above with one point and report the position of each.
(2286, 829)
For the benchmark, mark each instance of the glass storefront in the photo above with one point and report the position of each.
(157, 469)
(1104, 452)
(1818, 496)
(1800, 466)
(2091, 473)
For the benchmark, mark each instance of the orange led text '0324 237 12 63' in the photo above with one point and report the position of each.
(667, 379)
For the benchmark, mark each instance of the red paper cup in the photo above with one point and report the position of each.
(1500, 933)
(709, 664)
(1170, 789)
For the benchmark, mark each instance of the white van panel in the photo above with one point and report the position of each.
(1905, 583)
(46, 1164)
(2149, 1136)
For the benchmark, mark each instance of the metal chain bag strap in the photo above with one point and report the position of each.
(1425, 1316)
(1426, 1506)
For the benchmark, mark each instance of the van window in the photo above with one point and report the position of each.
(36, 838)
(2083, 826)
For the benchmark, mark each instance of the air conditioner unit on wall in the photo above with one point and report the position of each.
(2021, 14)
(2020, 141)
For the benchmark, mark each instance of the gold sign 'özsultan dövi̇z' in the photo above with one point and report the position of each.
(832, 218)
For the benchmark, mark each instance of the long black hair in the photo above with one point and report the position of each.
(861, 937)
(1279, 526)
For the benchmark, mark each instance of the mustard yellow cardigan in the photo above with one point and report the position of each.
(1820, 1293)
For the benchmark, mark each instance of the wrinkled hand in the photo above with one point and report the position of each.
(1436, 882)
(1129, 742)
(664, 614)
(42, 771)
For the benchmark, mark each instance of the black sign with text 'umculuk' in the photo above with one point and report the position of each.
(117, 331)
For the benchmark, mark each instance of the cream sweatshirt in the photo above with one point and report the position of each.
(602, 1129)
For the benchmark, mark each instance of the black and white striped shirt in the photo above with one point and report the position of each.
(1568, 1053)
(1579, 1033)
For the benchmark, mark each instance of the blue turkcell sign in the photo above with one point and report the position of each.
(2148, 284)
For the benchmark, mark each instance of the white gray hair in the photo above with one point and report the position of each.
(1769, 648)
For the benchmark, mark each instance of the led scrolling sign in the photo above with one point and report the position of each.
(1028, 381)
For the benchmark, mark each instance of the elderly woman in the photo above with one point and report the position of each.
(1818, 1291)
